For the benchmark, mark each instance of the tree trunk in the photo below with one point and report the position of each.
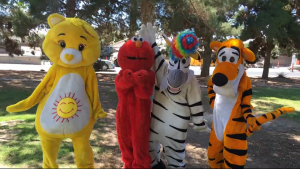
(270, 47)
(206, 58)
(71, 8)
(133, 18)
(147, 11)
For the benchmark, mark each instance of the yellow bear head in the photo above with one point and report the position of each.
(71, 42)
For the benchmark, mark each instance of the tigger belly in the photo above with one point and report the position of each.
(67, 109)
(221, 113)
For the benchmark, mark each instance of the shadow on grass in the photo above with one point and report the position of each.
(267, 100)
(9, 96)
(24, 148)
(262, 107)
(270, 147)
(21, 145)
(287, 94)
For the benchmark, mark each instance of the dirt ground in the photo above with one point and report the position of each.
(109, 78)
(276, 145)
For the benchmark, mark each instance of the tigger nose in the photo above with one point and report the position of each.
(219, 79)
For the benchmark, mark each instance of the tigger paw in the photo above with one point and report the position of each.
(251, 121)
(201, 128)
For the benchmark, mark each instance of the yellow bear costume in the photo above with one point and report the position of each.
(68, 96)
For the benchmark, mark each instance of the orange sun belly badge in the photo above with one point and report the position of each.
(66, 108)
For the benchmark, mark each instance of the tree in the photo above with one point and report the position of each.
(133, 16)
(209, 19)
(267, 21)
(147, 11)
(13, 18)
(109, 17)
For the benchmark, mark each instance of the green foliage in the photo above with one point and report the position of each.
(21, 20)
(268, 22)
(209, 19)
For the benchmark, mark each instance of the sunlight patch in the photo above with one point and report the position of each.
(198, 154)
(297, 138)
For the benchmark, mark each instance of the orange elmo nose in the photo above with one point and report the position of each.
(138, 44)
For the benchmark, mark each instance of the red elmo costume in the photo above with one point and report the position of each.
(134, 86)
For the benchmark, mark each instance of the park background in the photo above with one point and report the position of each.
(270, 28)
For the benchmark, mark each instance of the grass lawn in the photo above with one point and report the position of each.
(19, 142)
(268, 99)
(20, 145)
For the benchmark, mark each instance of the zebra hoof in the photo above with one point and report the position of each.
(159, 165)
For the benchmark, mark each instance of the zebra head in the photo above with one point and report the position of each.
(181, 50)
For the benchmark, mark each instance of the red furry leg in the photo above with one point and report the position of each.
(124, 137)
(141, 132)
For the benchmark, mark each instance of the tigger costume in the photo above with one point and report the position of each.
(230, 92)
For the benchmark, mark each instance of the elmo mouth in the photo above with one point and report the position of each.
(135, 58)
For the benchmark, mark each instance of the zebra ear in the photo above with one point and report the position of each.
(215, 45)
(196, 55)
(168, 41)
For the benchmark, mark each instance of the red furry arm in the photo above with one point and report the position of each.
(145, 81)
(211, 92)
(124, 81)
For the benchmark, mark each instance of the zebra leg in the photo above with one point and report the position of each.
(175, 153)
(215, 151)
(154, 151)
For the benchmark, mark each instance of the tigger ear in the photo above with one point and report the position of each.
(248, 55)
(215, 45)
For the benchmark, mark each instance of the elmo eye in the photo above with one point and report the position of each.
(141, 39)
(134, 39)
(81, 47)
(183, 61)
(62, 44)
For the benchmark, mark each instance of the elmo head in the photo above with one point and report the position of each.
(136, 54)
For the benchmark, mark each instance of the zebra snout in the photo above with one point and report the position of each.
(176, 78)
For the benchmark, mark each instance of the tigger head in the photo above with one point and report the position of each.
(182, 49)
(230, 61)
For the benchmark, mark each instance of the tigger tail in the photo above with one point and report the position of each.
(268, 117)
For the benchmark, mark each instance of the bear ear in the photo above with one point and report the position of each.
(215, 45)
(248, 55)
(54, 19)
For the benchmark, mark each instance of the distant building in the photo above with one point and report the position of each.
(28, 51)
(284, 61)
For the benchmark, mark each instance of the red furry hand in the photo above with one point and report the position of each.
(128, 76)
(140, 77)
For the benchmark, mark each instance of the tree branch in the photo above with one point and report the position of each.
(185, 16)
(109, 18)
(62, 2)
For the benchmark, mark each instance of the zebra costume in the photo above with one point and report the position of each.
(173, 108)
